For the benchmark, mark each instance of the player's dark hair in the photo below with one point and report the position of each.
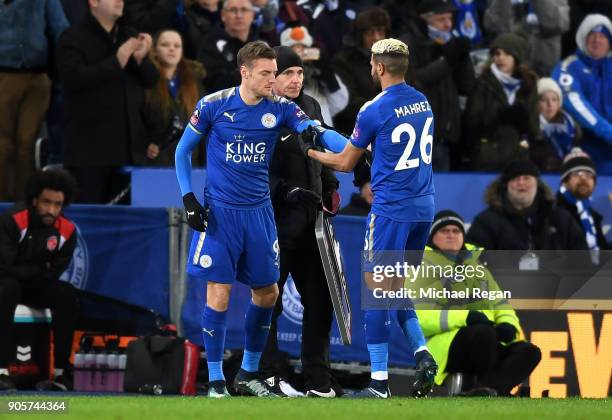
(253, 51)
(52, 179)
(396, 64)
(373, 17)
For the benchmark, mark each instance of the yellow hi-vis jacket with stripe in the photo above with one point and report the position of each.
(441, 320)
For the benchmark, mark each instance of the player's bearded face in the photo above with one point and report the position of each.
(374, 73)
(48, 205)
(260, 78)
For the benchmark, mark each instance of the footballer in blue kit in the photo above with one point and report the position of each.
(398, 125)
(236, 233)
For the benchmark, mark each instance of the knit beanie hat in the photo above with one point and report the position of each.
(286, 57)
(518, 168)
(577, 160)
(445, 218)
(546, 84)
(513, 44)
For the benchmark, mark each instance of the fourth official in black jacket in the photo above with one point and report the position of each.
(297, 186)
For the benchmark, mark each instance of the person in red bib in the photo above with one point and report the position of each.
(36, 247)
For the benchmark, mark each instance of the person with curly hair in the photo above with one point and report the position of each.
(36, 246)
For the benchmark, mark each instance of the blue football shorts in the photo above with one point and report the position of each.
(239, 244)
(387, 240)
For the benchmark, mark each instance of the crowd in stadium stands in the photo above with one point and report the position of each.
(112, 83)
(506, 79)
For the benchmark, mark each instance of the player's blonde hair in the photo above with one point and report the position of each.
(393, 54)
(390, 46)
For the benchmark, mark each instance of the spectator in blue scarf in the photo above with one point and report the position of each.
(558, 130)
(578, 181)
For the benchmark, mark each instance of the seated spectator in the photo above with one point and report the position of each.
(543, 21)
(104, 79)
(27, 31)
(558, 130)
(480, 340)
(586, 80)
(521, 215)
(36, 246)
(320, 80)
(218, 50)
(202, 17)
(170, 103)
(501, 113)
(353, 63)
(578, 180)
(440, 67)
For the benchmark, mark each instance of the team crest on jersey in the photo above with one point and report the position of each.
(195, 117)
(78, 269)
(566, 80)
(292, 302)
(205, 261)
(268, 120)
(52, 243)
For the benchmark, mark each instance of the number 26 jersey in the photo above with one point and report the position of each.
(399, 125)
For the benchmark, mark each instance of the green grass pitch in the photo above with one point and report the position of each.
(184, 408)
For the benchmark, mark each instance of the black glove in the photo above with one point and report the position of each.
(310, 137)
(302, 196)
(456, 50)
(505, 332)
(477, 318)
(197, 216)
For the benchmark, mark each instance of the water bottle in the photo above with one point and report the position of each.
(121, 372)
(100, 372)
(79, 372)
(88, 367)
(112, 374)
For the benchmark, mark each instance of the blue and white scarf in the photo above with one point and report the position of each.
(510, 84)
(586, 219)
(438, 36)
(466, 20)
(560, 134)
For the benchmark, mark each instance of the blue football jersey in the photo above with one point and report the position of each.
(399, 124)
(241, 139)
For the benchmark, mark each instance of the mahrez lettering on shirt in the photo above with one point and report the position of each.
(412, 109)
(245, 152)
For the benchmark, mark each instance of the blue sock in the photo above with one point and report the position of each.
(377, 338)
(409, 324)
(379, 356)
(213, 332)
(257, 327)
